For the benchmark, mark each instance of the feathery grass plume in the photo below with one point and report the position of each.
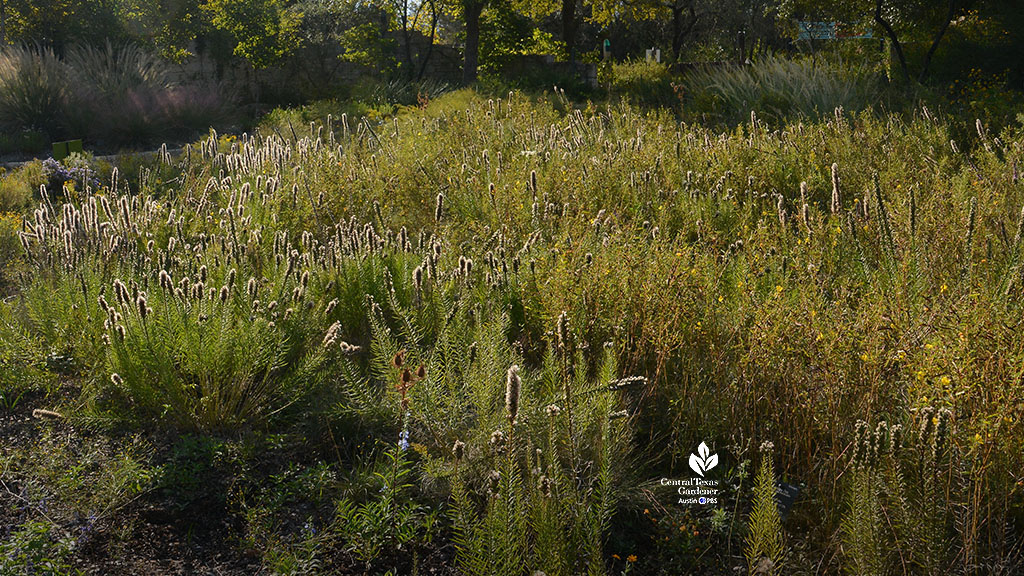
(1018, 236)
(439, 207)
(1015, 272)
(913, 214)
(765, 549)
(803, 207)
(883, 218)
(837, 204)
(513, 387)
(965, 267)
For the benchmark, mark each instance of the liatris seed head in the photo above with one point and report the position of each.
(513, 386)
(836, 199)
(493, 481)
(331, 306)
(544, 485)
(459, 450)
(224, 293)
(497, 440)
(563, 330)
(42, 414)
(553, 410)
(117, 380)
(332, 334)
(347, 348)
(143, 309)
(439, 208)
(251, 287)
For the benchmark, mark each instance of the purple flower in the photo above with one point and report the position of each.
(403, 440)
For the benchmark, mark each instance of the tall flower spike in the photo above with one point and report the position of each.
(836, 199)
(513, 387)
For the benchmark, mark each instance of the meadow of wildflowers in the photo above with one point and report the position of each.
(473, 337)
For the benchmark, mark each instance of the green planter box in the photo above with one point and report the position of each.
(62, 150)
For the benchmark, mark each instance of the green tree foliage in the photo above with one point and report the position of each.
(900, 22)
(265, 31)
(59, 23)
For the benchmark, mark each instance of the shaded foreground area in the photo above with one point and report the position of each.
(473, 338)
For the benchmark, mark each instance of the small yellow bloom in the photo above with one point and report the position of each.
(631, 558)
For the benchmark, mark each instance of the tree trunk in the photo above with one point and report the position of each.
(938, 38)
(3, 22)
(569, 27)
(679, 32)
(433, 35)
(406, 38)
(471, 57)
(893, 39)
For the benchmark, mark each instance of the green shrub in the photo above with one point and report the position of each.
(24, 141)
(18, 187)
(645, 83)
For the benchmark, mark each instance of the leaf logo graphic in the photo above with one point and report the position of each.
(704, 460)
